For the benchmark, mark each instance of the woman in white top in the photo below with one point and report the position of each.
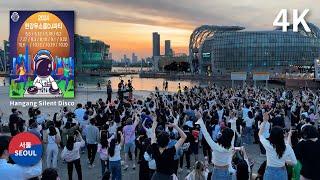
(249, 121)
(265, 134)
(222, 151)
(233, 121)
(71, 154)
(53, 140)
(147, 129)
(102, 150)
(114, 157)
(278, 153)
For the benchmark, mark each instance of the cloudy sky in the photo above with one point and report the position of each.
(127, 25)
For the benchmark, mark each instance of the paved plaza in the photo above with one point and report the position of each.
(95, 173)
(130, 174)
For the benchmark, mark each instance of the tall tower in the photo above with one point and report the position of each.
(156, 44)
(167, 48)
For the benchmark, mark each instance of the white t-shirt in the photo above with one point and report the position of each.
(249, 121)
(103, 152)
(151, 161)
(74, 154)
(272, 156)
(149, 132)
(220, 155)
(233, 122)
(113, 129)
(116, 156)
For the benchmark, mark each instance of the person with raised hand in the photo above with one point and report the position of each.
(163, 155)
(71, 154)
(222, 150)
(115, 157)
(129, 133)
(277, 151)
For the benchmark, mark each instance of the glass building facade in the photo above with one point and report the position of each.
(260, 51)
(91, 55)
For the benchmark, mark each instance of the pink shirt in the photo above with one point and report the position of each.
(103, 152)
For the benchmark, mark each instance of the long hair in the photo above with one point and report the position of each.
(277, 140)
(52, 131)
(111, 149)
(226, 137)
(198, 171)
(70, 143)
(104, 140)
(242, 170)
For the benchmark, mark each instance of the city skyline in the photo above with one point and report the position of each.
(132, 32)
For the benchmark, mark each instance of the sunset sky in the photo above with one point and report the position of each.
(127, 25)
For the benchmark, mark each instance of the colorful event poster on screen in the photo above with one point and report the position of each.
(42, 54)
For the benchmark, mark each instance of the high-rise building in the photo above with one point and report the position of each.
(156, 44)
(167, 48)
(91, 55)
(125, 59)
(134, 58)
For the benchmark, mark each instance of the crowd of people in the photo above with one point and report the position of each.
(211, 126)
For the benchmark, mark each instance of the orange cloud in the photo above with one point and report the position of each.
(125, 38)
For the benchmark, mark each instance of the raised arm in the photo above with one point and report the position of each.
(265, 119)
(154, 126)
(291, 158)
(82, 142)
(136, 120)
(121, 138)
(206, 135)
(144, 125)
(183, 136)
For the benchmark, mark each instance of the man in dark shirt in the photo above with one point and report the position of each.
(13, 122)
(109, 91)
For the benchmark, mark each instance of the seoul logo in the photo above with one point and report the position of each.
(25, 149)
(15, 17)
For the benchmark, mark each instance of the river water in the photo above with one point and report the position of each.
(143, 84)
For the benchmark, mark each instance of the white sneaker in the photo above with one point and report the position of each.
(134, 166)
(90, 166)
(125, 167)
(180, 170)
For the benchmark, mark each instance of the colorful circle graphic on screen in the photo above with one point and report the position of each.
(25, 149)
